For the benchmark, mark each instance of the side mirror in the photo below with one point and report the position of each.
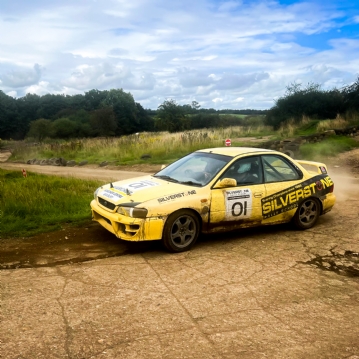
(226, 182)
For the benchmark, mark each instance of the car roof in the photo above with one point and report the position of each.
(235, 151)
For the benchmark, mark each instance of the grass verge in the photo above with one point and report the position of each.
(40, 203)
(328, 148)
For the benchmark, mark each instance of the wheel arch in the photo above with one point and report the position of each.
(195, 212)
(318, 199)
(295, 218)
(185, 234)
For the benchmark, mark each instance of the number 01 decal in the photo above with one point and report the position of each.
(238, 204)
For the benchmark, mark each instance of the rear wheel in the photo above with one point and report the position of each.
(307, 213)
(181, 231)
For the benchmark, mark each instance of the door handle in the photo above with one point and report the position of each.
(258, 194)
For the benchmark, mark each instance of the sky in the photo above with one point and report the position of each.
(223, 54)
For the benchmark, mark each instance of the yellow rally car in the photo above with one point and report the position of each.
(212, 190)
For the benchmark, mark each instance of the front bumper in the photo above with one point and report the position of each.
(128, 228)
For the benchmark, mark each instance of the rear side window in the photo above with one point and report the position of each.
(278, 169)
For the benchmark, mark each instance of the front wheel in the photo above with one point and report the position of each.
(307, 213)
(181, 231)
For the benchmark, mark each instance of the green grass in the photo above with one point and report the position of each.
(238, 115)
(307, 128)
(328, 148)
(40, 203)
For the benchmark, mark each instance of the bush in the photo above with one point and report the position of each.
(311, 101)
(63, 128)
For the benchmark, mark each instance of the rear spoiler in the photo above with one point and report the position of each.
(313, 167)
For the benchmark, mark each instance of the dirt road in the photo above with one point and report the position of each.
(261, 293)
(88, 172)
(73, 245)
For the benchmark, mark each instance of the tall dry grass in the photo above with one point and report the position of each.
(338, 123)
(161, 146)
(287, 129)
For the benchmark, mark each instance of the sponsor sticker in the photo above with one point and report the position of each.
(238, 204)
(136, 186)
(323, 169)
(289, 198)
(111, 194)
(174, 196)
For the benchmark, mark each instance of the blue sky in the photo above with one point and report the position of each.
(222, 54)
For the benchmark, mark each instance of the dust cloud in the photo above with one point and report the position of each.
(346, 186)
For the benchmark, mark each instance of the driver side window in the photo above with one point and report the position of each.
(245, 171)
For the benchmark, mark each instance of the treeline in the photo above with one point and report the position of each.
(315, 103)
(96, 113)
(102, 113)
(116, 113)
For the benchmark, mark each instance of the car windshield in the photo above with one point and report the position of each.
(195, 169)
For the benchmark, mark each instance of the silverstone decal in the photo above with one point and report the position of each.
(238, 204)
(136, 186)
(289, 198)
(175, 196)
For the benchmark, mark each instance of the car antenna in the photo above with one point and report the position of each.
(111, 185)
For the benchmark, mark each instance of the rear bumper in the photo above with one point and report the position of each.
(328, 202)
(128, 228)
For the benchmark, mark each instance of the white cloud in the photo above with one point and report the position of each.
(217, 100)
(229, 6)
(215, 52)
(42, 88)
(12, 94)
(21, 77)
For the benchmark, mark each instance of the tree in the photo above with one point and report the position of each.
(205, 120)
(311, 101)
(27, 109)
(103, 122)
(63, 128)
(351, 96)
(76, 102)
(93, 99)
(125, 110)
(40, 129)
(50, 105)
(171, 117)
(8, 117)
(145, 122)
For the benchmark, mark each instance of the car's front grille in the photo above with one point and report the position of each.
(106, 204)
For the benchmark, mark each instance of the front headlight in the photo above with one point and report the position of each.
(95, 193)
(133, 212)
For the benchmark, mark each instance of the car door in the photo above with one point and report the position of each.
(283, 189)
(240, 205)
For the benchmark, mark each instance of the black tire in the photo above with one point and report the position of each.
(181, 231)
(307, 213)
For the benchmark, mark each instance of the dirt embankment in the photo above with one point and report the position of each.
(348, 161)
